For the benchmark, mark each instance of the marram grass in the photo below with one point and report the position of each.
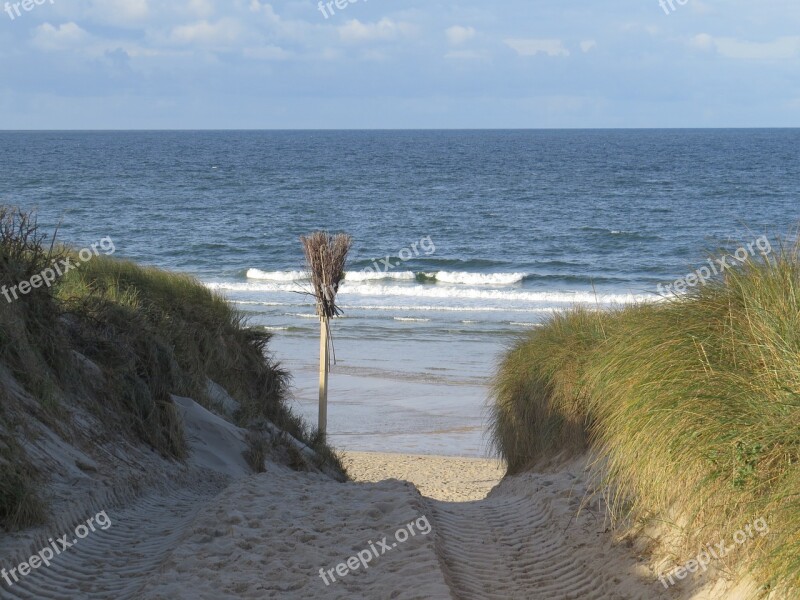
(151, 333)
(692, 406)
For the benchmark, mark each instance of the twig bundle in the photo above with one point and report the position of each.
(326, 256)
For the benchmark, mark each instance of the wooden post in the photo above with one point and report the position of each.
(326, 257)
(324, 368)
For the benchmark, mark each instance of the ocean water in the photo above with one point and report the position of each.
(463, 239)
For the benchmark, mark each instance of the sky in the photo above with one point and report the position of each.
(249, 64)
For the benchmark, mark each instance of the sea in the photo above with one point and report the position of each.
(463, 240)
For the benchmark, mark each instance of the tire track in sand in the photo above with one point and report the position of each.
(116, 563)
(530, 543)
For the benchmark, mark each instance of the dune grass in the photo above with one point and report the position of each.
(180, 333)
(692, 406)
(151, 333)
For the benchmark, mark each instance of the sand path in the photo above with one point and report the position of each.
(268, 535)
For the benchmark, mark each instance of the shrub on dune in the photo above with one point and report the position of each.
(692, 405)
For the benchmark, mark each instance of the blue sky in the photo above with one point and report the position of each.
(178, 64)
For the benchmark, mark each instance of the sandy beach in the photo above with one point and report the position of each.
(451, 479)
(525, 540)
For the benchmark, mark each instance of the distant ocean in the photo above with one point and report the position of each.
(463, 239)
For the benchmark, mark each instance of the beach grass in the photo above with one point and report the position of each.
(151, 333)
(691, 405)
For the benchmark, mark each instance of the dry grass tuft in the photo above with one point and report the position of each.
(258, 446)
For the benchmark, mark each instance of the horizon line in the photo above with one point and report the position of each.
(332, 129)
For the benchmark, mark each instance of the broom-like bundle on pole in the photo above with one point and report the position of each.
(326, 256)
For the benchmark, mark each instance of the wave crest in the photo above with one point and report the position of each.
(479, 278)
(449, 277)
(285, 276)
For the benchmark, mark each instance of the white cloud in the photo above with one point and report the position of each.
(68, 35)
(457, 35)
(784, 48)
(383, 30)
(119, 12)
(702, 41)
(201, 9)
(588, 45)
(531, 47)
(204, 33)
(296, 30)
(265, 9)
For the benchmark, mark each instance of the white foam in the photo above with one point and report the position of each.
(479, 278)
(353, 276)
(453, 277)
(277, 275)
(359, 276)
(429, 291)
(254, 303)
(412, 320)
(439, 308)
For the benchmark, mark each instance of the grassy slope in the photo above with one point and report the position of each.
(694, 405)
(152, 334)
